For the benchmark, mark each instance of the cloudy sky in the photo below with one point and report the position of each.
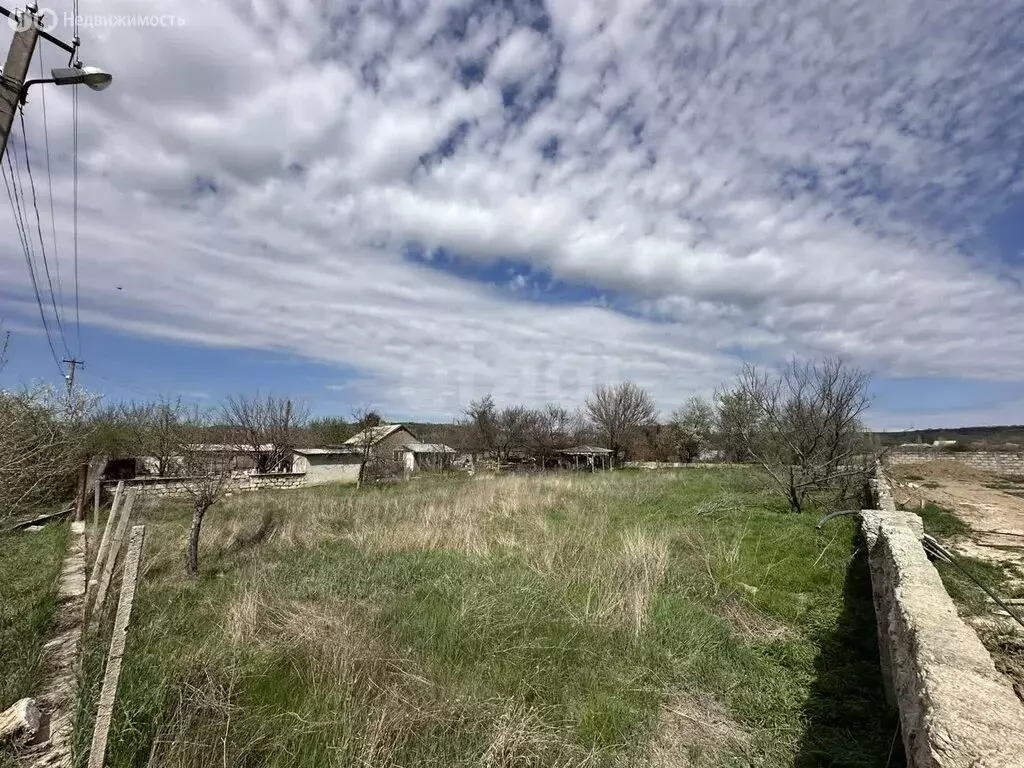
(411, 203)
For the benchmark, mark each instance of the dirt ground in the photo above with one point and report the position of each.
(985, 501)
(993, 506)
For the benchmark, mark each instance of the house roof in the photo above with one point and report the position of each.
(230, 448)
(428, 448)
(586, 450)
(376, 434)
(338, 451)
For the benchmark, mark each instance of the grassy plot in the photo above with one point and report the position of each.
(31, 566)
(619, 619)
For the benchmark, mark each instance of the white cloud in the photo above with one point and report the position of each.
(771, 176)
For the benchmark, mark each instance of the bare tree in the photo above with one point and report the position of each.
(481, 416)
(548, 430)
(807, 431)
(692, 428)
(367, 422)
(619, 410)
(206, 478)
(497, 431)
(510, 428)
(44, 438)
(269, 426)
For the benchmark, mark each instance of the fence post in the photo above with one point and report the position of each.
(112, 676)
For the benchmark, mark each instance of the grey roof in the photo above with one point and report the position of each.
(339, 451)
(428, 448)
(586, 450)
(230, 448)
(376, 434)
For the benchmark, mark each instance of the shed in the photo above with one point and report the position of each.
(426, 456)
(592, 455)
(327, 465)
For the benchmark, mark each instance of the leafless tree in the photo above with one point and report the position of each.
(499, 432)
(366, 421)
(618, 411)
(206, 478)
(807, 431)
(268, 425)
(44, 438)
(480, 426)
(511, 425)
(548, 430)
(691, 428)
(144, 430)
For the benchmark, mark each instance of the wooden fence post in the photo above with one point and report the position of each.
(112, 676)
(101, 553)
(115, 548)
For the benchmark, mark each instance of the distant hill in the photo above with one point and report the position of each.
(974, 437)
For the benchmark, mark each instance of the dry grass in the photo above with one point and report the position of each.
(696, 730)
(541, 621)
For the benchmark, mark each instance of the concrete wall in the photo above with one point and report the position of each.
(676, 465)
(989, 461)
(321, 470)
(955, 709)
(177, 487)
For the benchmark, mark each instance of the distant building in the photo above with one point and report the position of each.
(943, 443)
(328, 465)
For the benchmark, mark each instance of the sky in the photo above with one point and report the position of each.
(409, 204)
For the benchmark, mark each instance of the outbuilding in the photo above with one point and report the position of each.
(327, 465)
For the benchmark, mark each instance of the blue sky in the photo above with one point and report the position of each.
(422, 201)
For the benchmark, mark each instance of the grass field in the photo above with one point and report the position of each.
(31, 564)
(28, 601)
(620, 619)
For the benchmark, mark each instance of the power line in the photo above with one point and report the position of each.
(49, 184)
(25, 244)
(39, 229)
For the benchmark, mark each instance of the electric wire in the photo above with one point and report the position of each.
(39, 230)
(26, 250)
(49, 184)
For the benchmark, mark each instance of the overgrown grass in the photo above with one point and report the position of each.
(31, 566)
(941, 522)
(619, 619)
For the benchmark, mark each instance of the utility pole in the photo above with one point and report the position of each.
(23, 45)
(70, 378)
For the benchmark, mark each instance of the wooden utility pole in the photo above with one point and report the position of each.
(19, 56)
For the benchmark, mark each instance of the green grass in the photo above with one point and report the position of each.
(31, 564)
(942, 523)
(618, 619)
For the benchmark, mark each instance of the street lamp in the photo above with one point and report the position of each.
(93, 77)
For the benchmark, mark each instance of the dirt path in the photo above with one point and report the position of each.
(995, 513)
(993, 506)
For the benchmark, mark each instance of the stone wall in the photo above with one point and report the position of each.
(989, 461)
(955, 709)
(177, 487)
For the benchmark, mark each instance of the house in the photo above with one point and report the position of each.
(396, 442)
(384, 442)
(328, 465)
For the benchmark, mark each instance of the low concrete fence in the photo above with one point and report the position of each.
(178, 487)
(955, 708)
(677, 465)
(989, 461)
